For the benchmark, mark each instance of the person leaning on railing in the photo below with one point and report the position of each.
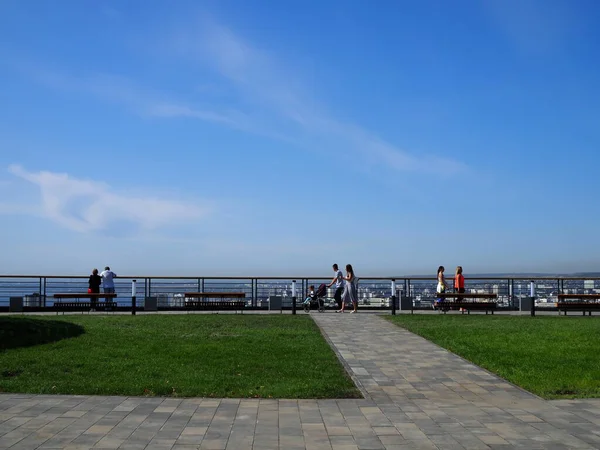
(107, 280)
(94, 287)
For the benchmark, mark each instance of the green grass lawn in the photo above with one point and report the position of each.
(170, 355)
(553, 357)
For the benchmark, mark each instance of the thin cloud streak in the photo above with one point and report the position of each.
(258, 78)
(145, 102)
(275, 105)
(123, 91)
(87, 206)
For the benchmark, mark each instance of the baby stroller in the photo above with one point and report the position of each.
(316, 299)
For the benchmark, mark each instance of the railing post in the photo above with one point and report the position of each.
(133, 297)
(532, 295)
(293, 296)
(561, 287)
(558, 286)
(43, 289)
(304, 287)
(393, 299)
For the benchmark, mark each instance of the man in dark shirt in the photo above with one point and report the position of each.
(94, 287)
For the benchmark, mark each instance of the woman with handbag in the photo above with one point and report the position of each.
(441, 285)
(94, 287)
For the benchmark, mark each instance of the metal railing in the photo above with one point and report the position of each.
(374, 292)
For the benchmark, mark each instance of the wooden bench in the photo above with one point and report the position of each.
(466, 302)
(76, 305)
(578, 302)
(221, 301)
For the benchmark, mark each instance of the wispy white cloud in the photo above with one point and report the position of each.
(268, 100)
(174, 110)
(86, 206)
(148, 102)
(271, 89)
(122, 90)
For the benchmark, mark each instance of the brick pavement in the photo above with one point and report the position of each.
(417, 396)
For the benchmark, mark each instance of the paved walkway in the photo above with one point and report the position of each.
(417, 396)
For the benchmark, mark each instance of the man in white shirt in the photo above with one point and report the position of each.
(338, 279)
(107, 280)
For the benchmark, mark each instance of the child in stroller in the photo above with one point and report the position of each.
(315, 298)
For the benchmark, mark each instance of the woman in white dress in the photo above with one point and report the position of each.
(441, 283)
(350, 293)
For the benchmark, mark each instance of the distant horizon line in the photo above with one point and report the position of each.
(549, 275)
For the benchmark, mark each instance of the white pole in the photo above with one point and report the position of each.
(532, 289)
(293, 296)
(393, 299)
(133, 299)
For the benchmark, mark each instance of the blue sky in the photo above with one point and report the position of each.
(275, 138)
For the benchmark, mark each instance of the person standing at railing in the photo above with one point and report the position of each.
(441, 284)
(338, 279)
(94, 287)
(459, 282)
(108, 283)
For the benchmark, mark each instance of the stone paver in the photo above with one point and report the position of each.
(417, 396)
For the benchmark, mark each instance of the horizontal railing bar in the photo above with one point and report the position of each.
(320, 277)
